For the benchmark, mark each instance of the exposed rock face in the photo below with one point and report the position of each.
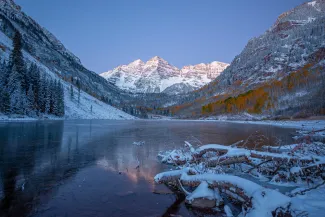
(157, 75)
(283, 48)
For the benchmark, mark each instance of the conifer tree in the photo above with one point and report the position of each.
(46, 97)
(30, 101)
(41, 96)
(61, 100)
(51, 96)
(4, 95)
(24, 91)
(35, 80)
(71, 92)
(78, 85)
(5, 105)
(4, 74)
(17, 101)
(56, 98)
(17, 61)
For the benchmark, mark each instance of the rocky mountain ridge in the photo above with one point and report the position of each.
(157, 75)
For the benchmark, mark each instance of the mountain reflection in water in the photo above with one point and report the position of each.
(98, 167)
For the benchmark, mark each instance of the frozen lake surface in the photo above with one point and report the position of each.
(100, 167)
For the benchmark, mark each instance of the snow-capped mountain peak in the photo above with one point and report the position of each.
(157, 75)
(157, 59)
(135, 66)
(136, 63)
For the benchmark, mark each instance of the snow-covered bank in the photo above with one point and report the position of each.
(204, 172)
(20, 118)
(301, 124)
(312, 202)
(297, 124)
(307, 124)
(5, 118)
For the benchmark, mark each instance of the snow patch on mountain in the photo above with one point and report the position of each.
(313, 3)
(157, 75)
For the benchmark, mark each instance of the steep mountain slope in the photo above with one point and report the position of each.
(283, 48)
(42, 48)
(157, 75)
(289, 55)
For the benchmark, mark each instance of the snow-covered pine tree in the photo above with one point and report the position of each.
(4, 74)
(18, 101)
(79, 86)
(61, 100)
(71, 92)
(5, 102)
(17, 96)
(4, 95)
(55, 97)
(25, 91)
(35, 80)
(51, 95)
(47, 97)
(41, 95)
(2, 86)
(17, 61)
(31, 101)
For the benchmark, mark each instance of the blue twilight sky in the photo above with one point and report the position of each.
(108, 33)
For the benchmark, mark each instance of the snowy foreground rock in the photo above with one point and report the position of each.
(223, 177)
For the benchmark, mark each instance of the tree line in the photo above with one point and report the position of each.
(24, 90)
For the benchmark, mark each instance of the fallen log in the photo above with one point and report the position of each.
(280, 157)
(226, 155)
(212, 162)
(255, 198)
(219, 149)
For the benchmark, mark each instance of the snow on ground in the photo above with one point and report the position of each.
(202, 191)
(236, 117)
(297, 124)
(159, 117)
(312, 202)
(16, 118)
(301, 124)
(246, 118)
(228, 211)
(299, 165)
(90, 107)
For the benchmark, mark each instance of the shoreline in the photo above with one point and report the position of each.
(307, 124)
